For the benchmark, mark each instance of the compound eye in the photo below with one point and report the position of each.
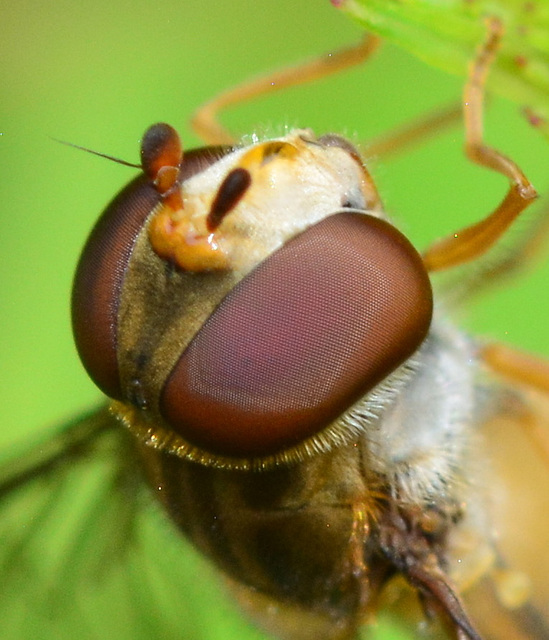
(312, 329)
(98, 282)
(99, 277)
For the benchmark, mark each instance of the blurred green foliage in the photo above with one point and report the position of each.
(446, 33)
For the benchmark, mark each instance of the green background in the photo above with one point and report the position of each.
(98, 74)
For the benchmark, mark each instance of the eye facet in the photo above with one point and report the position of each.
(311, 330)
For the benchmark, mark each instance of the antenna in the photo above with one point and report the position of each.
(97, 153)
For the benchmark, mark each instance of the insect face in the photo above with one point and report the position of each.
(210, 317)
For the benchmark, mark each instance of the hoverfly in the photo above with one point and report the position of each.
(334, 484)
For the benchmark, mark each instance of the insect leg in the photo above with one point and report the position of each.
(396, 142)
(411, 547)
(205, 121)
(525, 250)
(519, 367)
(471, 242)
(524, 369)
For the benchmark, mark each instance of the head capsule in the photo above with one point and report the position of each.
(238, 302)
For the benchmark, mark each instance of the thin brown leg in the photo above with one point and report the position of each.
(526, 370)
(524, 250)
(205, 121)
(473, 241)
(413, 133)
(519, 367)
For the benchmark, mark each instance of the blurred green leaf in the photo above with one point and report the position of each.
(446, 34)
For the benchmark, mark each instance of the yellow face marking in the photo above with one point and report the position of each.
(181, 236)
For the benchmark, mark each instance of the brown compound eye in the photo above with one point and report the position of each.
(300, 339)
(99, 277)
(98, 282)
